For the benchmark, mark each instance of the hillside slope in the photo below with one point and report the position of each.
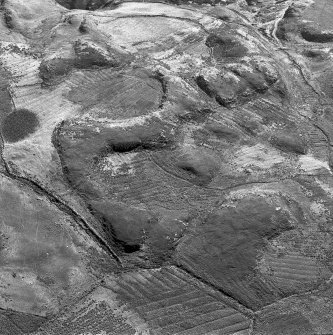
(166, 167)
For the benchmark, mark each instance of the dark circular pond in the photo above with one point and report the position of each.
(18, 125)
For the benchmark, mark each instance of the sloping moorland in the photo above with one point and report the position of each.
(166, 167)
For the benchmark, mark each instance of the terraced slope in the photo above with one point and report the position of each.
(165, 301)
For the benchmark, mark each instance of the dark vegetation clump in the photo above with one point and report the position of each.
(225, 46)
(225, 92)
(313, 35)
(8, 18)
(51, 70)
(83, 4)
(289, 142)
(18, 125)
(251, 2)
(212, 91)
(316, 55)
(204, 86)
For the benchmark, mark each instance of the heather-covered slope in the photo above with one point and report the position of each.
(166, 167)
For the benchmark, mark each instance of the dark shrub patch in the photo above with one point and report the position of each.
(225, 46)
(82, 4)
(18, 125)
(313, 35)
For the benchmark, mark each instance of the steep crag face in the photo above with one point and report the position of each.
(170, 167)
